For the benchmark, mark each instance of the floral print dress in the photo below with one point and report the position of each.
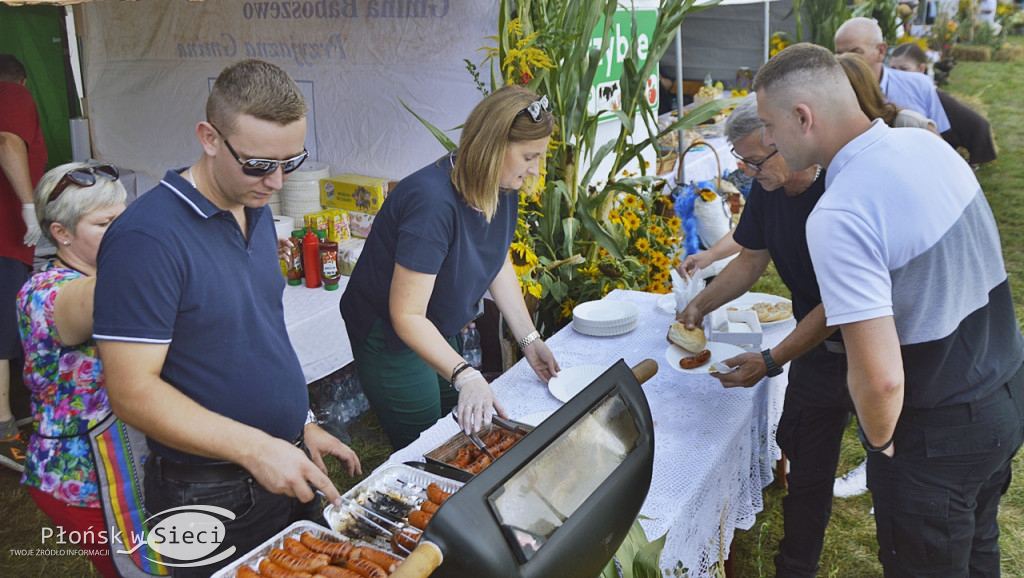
(68, 396)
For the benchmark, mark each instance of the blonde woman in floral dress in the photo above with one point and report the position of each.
(75, 203)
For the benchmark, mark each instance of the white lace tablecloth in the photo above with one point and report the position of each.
(714, 447)
(316, 329)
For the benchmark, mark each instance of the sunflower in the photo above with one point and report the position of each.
(673, 223)
(523, 258)
(534, 288)
(630, 220)
(642, 245)
(630, 201)
(567, 306)
(614, 217)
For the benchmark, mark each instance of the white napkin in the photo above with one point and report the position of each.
(684, 289)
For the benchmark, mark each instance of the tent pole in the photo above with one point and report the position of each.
(767, 30)
(679, 98)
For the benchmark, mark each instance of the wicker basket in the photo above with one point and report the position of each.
(667, 162)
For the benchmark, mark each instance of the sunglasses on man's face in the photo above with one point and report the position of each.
(263, 167)
(83, 177)
(536, 109)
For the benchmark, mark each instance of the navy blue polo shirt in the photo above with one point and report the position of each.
(424, 225)
(777, 222)
(174, 269)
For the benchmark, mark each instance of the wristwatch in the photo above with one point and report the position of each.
(773, 369)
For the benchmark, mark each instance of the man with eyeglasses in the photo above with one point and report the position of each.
(190, 324)
(22, 163)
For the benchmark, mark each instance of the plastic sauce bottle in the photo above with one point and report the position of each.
(471, 350)
(329, 264)
(311, 259)
(295, 258)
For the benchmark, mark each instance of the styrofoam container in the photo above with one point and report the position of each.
(736, 327)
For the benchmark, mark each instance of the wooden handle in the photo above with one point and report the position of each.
(421, 562)
(645, 370)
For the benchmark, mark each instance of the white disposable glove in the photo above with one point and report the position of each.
(477, 401)
(33, 232)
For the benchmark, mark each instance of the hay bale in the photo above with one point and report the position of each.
(971, 53)
(1009, 53)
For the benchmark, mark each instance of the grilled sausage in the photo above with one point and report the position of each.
(338, 551)
(462, 459)
(247, 572)
(506, 441)
(695, 361)
(404, 542)
(337, 572)
(271, 570)
(419, 519)
(436, 494)
(295, 548)
(386, 561)
(492, 437)
(476, 467)
(364, 567)
(308, 564)
(429, 507)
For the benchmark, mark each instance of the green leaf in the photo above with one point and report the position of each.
(647, 562)
(446, 142)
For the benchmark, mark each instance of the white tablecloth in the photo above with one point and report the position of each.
(714, 448)
(316, 329)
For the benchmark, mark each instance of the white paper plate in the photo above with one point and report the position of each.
(748, 300)
(719, 352)
(598, 313)
(572, 380)
(605, 331)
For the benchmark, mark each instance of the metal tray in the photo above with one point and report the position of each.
(295, 530)
(400, 482)
(447, 451)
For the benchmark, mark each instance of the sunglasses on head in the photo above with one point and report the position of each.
(83, 177)
(536, 109)
(263, 167)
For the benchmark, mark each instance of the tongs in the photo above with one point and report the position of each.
(479, 443)
(383, 526)
(509, 424)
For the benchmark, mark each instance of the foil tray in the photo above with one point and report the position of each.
(400, 482)
(447, 451)
(295, 530)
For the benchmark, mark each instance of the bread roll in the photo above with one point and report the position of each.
(692, 340)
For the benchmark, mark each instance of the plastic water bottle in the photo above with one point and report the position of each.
(708, 81)
(471, 350)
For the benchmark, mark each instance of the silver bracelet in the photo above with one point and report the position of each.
(526, 341)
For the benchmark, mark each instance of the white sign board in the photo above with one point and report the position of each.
(148, 68)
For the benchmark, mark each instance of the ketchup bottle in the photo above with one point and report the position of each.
(311, 259)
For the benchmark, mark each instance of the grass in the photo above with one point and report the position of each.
(850, 541)
(850, 547)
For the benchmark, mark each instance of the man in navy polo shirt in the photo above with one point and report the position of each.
(190, 323)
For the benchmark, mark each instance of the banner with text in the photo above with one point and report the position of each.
(149, 66)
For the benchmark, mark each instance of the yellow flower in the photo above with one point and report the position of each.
(657, 232)
(614, 217)
(567, 307)
(630, 201)
(708, 195)
(643, 245)
(674, 223)
(523, 258)
(630, 220)
(534, 289)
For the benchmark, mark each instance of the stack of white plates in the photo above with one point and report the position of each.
(275, 203)
(300, 194)
(605, 318)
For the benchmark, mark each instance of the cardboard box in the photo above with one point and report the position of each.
(359, 224)
(337, 225)
(353, 193)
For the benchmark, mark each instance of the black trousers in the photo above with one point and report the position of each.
(815, 415)
(936, 499)
(258, 514)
